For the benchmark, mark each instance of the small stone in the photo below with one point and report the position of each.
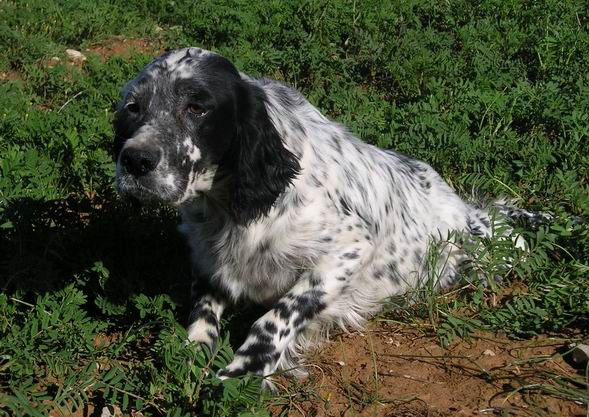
(75, 55)
(340, 363)
(53, 61)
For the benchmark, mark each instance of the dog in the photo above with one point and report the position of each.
(281, 206)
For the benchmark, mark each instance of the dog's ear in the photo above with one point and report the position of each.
(262, 167)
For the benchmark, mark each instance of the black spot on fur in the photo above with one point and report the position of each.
(270, 327)
(351, 255)
(336, 144)
(283, 310)
(345, 206)
(256, 349)
(473, 227)
(308, 305)
(316, 181)
(203, 312)
(283, 333)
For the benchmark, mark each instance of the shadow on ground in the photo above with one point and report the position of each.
(54, 243)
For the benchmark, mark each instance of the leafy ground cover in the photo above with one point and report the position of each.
(494, 94)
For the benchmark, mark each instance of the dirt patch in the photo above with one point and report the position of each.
(10, 76)
(391, 371)
(125, 47)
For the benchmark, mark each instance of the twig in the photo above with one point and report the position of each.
(16, 300)
(69, 101)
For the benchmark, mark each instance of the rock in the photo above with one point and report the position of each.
(74, 55)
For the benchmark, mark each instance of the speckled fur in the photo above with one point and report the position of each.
(351, 227)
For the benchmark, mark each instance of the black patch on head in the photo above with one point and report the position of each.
(235, 131)
(262, 168)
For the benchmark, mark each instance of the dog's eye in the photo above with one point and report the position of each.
(196, 109)
(132, 107)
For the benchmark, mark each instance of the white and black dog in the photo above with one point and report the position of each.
(281, 206)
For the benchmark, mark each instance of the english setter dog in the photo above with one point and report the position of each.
(281, 206)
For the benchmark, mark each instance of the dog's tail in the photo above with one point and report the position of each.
(509, 210)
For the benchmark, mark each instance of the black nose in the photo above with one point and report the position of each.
(138, 161)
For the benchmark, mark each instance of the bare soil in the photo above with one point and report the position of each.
(391, 370)
(124, 47)
(10, 75)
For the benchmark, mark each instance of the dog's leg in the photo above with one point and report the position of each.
(277, 330)
(204, 317)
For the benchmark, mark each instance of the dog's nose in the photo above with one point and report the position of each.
(139, 162)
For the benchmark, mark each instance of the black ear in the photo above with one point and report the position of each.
(261, 165)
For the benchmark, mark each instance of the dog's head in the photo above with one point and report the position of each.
(188, 124)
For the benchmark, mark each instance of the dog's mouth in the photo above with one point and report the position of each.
(128, 186)
(133, 188)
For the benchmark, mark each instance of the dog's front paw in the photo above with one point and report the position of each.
(239, 367)
(203, 333)
(236, 368)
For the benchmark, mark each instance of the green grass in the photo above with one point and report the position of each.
(494, 94)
